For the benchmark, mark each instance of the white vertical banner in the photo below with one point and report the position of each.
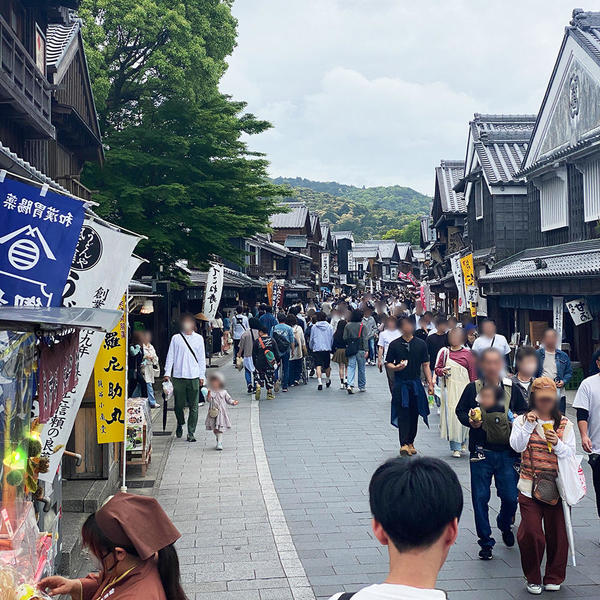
(213, 291)
(460, 283)
(557, 316)
(102, 267)
(324, 267)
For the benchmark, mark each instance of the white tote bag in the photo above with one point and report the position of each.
(571, 479)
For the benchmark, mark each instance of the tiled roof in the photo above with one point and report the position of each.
(365, 251)
(567, 261)
(340, 235)
(501, 142)
(58, 39)
(314, 219)
(447, 175)
(403, 249)
(290, 220)
(386, 247)
(296, 241)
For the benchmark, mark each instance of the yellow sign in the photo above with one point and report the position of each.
(110, 380)
(466, 263)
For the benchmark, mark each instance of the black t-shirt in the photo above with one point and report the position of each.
(435, 342)
(415, 352)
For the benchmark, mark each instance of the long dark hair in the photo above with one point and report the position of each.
(167, 563)
(338, 336)
(555, 414)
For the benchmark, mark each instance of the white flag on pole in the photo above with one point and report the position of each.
(213, 291)
(102, 267)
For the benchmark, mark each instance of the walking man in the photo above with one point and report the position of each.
(555, 364)
(490, 338)
(406, 356)
(239, 324)
(283, 336)
(186, 365)
(321, 344)
(587, 404)
(489, 446)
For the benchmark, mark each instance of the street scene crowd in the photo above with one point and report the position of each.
(501, 408)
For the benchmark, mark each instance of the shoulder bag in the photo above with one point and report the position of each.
(544, 487)
(353, 345)
(188, 345)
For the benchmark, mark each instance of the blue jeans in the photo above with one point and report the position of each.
(372, 348)
(358, 360)
(248, 375)
(283, 373)
(500, 466)
(151, 398)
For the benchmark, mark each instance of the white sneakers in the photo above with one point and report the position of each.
(535, 588)
(456, 454)
(552, 587)
(219, 445)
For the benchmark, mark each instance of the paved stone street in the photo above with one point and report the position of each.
(296, 523)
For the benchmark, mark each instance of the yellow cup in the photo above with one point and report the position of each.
(548, 427)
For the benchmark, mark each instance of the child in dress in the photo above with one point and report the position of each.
(217, 419)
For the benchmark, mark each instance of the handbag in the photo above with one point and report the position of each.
(213, 411)
(545, 488)
(156, 370)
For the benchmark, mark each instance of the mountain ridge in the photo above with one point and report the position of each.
(369, 212)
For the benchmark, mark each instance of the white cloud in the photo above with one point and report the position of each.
(377, 91)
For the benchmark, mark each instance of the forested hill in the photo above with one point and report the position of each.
(368, 212)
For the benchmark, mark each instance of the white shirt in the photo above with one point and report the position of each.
(386, 337)
(180, 361)
(521, 432)
(588, 398)
(240, 324)
(391, 591)
(498, 341)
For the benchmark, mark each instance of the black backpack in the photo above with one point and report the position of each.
(283, 344)
(353, 345)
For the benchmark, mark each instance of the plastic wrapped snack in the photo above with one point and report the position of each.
(27, 591)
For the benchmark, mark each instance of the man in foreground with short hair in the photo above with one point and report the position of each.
(418, 535)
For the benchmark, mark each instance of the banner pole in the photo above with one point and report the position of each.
(125, 391)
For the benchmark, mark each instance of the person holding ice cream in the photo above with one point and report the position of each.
(542, 436)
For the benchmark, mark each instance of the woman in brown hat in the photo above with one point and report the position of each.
(133, 539)
(542, 436)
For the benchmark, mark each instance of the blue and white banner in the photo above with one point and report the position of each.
(38, 236)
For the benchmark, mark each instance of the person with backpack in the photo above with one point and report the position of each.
(244, 352)
(298, 352)
(416, 523)
(239, 325)
(265, 356)
(339, 353)
(283, 335)
(357, 349)
(186, 364)
(321, 345)
(489, 447)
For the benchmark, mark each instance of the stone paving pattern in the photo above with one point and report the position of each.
(322, 448)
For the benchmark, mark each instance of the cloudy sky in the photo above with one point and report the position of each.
(375, 92)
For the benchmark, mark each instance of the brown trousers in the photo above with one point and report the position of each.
(533, 540)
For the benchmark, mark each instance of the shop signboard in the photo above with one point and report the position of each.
(39, 230)
(557, 315)
(102, 267)
(213, 291)
(138, 416)
(324, 267)
(460, 283)
(579, 311)
(110, 382)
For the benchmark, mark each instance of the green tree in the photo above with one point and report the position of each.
(176, 167)
(409, 233)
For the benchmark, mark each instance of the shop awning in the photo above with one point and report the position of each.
(55, 318)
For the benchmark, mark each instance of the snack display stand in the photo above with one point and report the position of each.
(139, 433)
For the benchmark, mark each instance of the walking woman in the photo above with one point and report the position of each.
(339, 353)
(455, 367)
(542, 436)
(137, 561)
(355, 333)
(298, 351)
(216, 326)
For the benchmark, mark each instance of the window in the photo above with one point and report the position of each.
(554, 209)
(591, 189)
(478, 192)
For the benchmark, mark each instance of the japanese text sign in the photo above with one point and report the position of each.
(579, 311)
(38, 236)
(324, 267)
(110, 383)
(214, 289)
(466, 263)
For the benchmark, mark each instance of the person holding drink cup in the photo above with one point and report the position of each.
(542, 435)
